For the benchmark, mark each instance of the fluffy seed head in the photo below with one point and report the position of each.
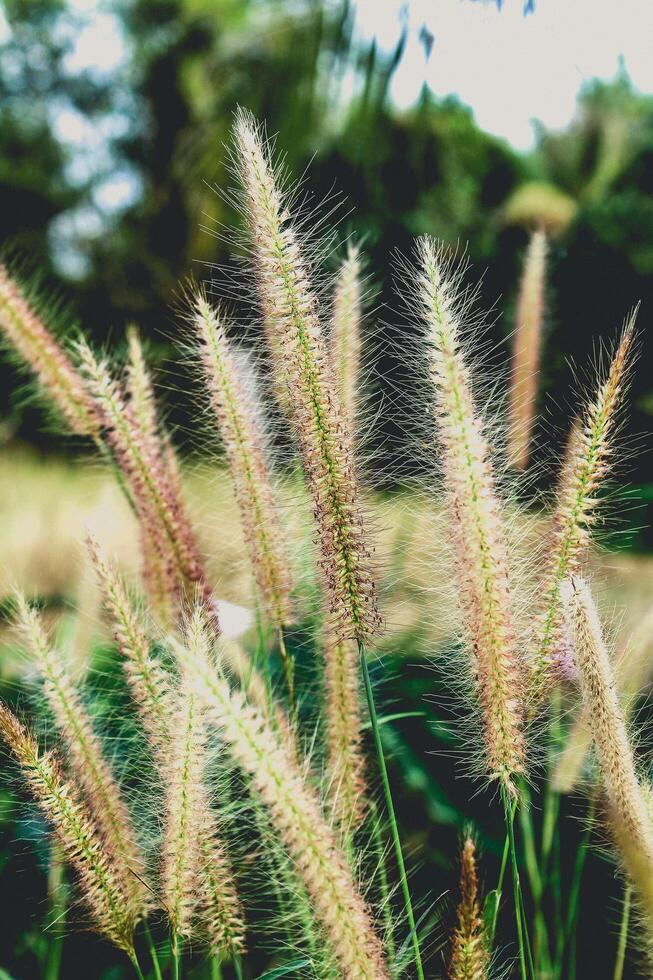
(318, 423)
(184, 808)
(614, 751)
(236, 418)
(29, 337)
(585, 469)
(148, 475)
(469, 952)
(632, 672)
(76, 832)
(346, 334)
(477, 520)
(346, 760)
(628, 806)
(527, 350)
(149, 683)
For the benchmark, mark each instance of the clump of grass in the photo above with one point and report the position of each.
(297, 816)
(300, 799)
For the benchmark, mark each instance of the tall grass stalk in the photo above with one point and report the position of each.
(240, 429)
(527, 352)
(476, 518)
(587, 464)
(345, 339)
(26, 333)
(628, 802)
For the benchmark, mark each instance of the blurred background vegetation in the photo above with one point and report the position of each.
(108, 174)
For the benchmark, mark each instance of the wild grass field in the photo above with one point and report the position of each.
(263, 719)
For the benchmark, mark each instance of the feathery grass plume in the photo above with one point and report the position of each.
(29, 337)
(296, 812)
(158, 576)
(76, 831)
(149, 683)
(478, 521)
(346, 761)
(345, 337)
(249, 469)
(585, 468)
(184, 806)
(320, 429)
(86, 758)
(220, 915)
(469, 953)
(160, 511)
(632, 672)
(628, 804)
(527, 350)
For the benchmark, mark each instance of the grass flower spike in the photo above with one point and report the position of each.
(183, 809)
(85, 754)
(477, 521)
(528, 347)
(290, 307)
(150, 684)
(29, 337)
(346, 334)
(159, 511)
(469, 952)
(629, 808)
(76, 832)
(249, 470)
(343, 711)
(586, 466)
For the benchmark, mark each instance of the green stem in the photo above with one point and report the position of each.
(384, 886)
(542, 948)
(57, 891)
(510, 808)
(390, 809)
(499, 889)
(152, 950)
(136, 965)
(216, 969)
(175, 947)
(573, 906)
(238, 968)
(623, 935)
